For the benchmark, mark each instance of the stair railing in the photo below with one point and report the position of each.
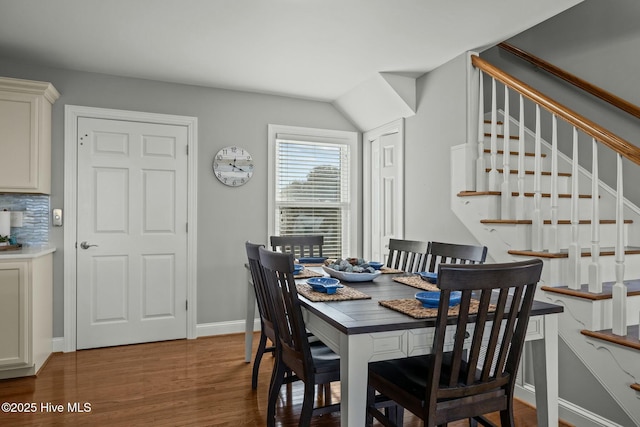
(599, 135)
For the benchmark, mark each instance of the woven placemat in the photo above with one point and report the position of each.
(414, 308)
(306, 273)
(318, 264)
(342, 294)
(389, 270)
(416, 282)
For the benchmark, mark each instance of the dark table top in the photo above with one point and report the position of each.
(366, 316)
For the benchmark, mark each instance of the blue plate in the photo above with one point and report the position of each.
(432, 299)
(324, 284)
(297, 268)
(376, 265)
(312, 260)
(428, 276)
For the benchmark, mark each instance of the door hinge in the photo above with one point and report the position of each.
(187, 150)
(186, 226)
(186, 305)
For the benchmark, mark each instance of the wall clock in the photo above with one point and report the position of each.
(233, 166)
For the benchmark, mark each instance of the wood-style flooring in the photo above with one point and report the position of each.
(202, 382)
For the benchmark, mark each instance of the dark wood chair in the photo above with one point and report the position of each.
(266, 322)
(452, 253)
(477, 375)
(300, 246)
(407, 255)
(313, 364)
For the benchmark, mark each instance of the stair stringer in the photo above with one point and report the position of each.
(615, 367)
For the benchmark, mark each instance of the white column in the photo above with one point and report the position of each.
(520, 214)
(595, 279)
(493, 173)
(505, 211)
(553, 234)
(619, 292)
(536, 217)
(573, 281)
(480, 162)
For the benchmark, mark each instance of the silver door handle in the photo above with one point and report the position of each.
(84, 245)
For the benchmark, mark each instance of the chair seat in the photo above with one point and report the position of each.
(324, 359)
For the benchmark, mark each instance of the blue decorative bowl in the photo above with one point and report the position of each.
(428, 276)
(324, 284)
(297, 268)
(432, 299)
(376, 265)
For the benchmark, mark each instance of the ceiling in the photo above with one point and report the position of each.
(314, 49)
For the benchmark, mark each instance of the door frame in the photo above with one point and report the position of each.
(396, 126)
(71, 115)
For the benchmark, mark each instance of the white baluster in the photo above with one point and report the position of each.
(505, 212)
(595, 280)
(619, 291)
(480, 162)
(520, 199)
(536, 216)
(493, 173)
(573, 281)
(553, 234)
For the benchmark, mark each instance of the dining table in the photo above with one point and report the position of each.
(363, 330)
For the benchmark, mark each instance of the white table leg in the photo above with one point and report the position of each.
(355, 351)
(248, 326)
(545, 371)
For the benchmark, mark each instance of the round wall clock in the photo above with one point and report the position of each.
(233, 166)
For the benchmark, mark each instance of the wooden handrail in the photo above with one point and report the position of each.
(619, 145)
(594, 90)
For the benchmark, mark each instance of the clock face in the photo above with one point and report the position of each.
(233, 166)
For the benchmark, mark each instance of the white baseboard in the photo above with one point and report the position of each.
(223, 328)
(569, 412)
(202, 330)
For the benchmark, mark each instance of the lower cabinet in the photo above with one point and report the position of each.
(26, 315)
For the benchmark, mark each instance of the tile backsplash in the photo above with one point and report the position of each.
(35, 217)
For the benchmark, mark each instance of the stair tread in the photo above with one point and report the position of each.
(515, 153)
(629, 340)
(501, 136)
(629, 250)
(633, 289)
(548, 221)
(529, 172)
(469, 193)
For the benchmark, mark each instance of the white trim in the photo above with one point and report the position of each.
(225, 328)
(396, 126)
(57, 344)
(337, 136)
(72, 114)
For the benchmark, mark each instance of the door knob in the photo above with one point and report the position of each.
(85, 245)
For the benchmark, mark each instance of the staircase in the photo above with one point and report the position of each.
(506, 226)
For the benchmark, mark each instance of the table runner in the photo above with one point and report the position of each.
(414, 308)
(345, 293)
(416, 282)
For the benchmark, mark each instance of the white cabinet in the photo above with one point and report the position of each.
(25, 135)
(26, 315)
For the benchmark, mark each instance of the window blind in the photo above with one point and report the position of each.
(313, 191)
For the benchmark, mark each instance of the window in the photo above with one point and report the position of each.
(313, 186)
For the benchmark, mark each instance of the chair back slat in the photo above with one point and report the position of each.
(407, 255)
(257, 277)
(300, 245)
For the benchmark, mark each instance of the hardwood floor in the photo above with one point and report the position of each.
(202, 382)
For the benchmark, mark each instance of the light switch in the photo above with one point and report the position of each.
(57, 217)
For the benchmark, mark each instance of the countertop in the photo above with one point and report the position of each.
(27, 252)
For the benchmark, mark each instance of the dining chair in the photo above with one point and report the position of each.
(313, 364)
(300, 245)
(407, 255)
(475, 374)
(453, 253)
(267, 331)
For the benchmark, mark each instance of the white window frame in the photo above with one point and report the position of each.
(329, 137)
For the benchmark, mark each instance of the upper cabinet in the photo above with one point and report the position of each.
(25, 135)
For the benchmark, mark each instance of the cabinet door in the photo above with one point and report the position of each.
(19, 141)
(14, 315)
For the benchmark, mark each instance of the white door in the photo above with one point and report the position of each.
(385, 157)
(131, 232)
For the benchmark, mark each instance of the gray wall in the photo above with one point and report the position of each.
(227, 217)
